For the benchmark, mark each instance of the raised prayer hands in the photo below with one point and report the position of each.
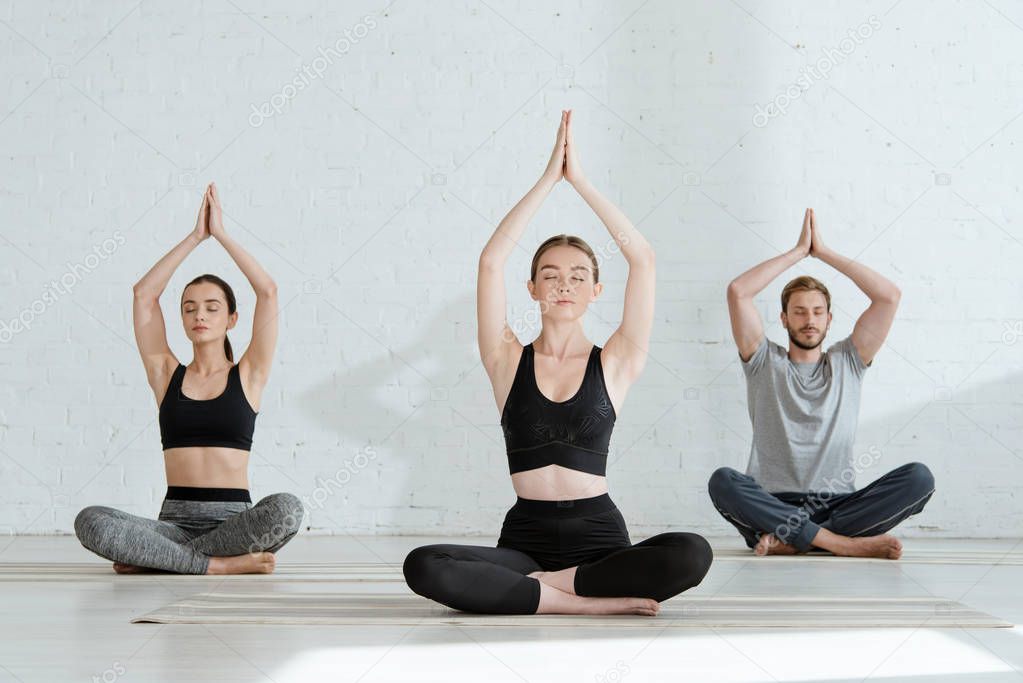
(202, 221)
(555, 170)
(805, 244)
(210, 221)
(216, 224)
(817, 247)
(573, 169)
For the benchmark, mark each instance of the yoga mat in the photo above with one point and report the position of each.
(909, 556)
(329, 572)
(302, 572)
(682, 612)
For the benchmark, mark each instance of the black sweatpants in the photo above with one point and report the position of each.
(542, 535)
(795, 518)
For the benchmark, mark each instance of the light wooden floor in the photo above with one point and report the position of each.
(80, 630)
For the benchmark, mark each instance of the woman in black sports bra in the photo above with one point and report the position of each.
(564, 546)
(207, 523)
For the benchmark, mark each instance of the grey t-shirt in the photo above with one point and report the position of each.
(804, 418)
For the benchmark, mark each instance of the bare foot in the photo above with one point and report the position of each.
(250, 563)
(554, 601)
(770, 545)
(563, 579)
(641, 606)
(885, 547)
(131, 569)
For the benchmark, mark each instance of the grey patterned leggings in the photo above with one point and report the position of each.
(194, 525)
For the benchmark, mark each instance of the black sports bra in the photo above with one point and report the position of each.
(573, 433)
(227, 420)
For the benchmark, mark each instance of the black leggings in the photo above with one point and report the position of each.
(542, 535)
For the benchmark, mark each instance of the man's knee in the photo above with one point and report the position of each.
(919, 479)
(722, 486)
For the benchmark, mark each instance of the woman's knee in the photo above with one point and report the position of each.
(287, 511)
(91, 523)
(420, 570)
(279, 518)
(691, 558)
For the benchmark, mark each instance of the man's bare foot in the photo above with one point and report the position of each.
(250, 563)
(885, 547)
(770, 545)
(131, 569)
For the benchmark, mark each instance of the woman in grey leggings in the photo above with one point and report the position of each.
(207, 524)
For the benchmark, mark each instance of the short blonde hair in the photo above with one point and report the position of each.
(804, 283)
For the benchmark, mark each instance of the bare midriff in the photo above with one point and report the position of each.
(555, 482)
(207, 467)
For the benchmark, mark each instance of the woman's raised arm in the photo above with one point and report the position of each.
(626, 349)
(150, 330)
(255, 363)
(497, 343)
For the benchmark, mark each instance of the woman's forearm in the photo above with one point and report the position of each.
(633, 245)
(155, 281)
(258, 278)
(510, 229)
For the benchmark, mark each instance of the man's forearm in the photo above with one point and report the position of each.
(754, 280)
(872, 283)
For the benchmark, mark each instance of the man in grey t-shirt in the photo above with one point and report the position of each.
(799, 489)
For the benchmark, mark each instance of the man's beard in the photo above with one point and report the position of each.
(805, 347)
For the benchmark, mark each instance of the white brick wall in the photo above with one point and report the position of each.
(369, 195)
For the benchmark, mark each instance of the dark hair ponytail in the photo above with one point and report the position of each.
(232, 304)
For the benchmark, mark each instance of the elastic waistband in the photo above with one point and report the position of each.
(201, 493)
(579, 507)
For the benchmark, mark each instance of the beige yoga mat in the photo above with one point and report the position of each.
(909, 556)
(684, 612)
(332, 572)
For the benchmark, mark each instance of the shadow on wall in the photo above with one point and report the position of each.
(426, 409)
(978, 426)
